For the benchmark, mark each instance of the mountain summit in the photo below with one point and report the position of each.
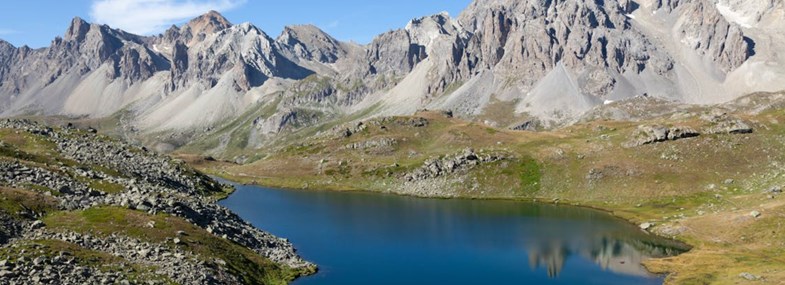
(501, 61)
(207, 24)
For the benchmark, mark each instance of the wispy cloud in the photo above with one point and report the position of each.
(332, 25)
(153, 16)
(5, 32)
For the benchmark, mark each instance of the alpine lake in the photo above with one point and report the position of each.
(371, 238)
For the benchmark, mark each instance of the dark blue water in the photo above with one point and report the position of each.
(366, 238)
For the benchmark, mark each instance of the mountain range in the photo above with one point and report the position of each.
(506, 63)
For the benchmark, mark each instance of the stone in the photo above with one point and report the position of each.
(37, 225)
(725, 124)
(142, 207)
(144, 252)
(646, 226)
(672, 230)
(755, 214)
(749, 276)
(177, 241)
(649, 134)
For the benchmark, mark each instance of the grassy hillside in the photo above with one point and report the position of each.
(701, 190)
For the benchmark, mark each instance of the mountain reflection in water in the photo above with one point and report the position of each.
(357, 237)
(612, 244)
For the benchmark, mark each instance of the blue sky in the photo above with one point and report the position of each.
(36, 22)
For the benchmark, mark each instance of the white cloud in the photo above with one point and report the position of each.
(5, 32)
(153, 16)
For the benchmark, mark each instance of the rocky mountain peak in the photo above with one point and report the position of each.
(78, 29)
(208, 23)
(555, 58)
(304, 31)
(424, 30)
(6, 45)
(311, 43)
(440, 19)
(197, 29)
(7, 51)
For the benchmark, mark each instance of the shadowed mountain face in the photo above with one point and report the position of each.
(549, 61)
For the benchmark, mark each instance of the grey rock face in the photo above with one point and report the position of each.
(218, 48)
(529, 38)
(394, 53)
(708, 32)
(557, 59)
(310, 43)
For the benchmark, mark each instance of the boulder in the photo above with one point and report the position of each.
(726, 124)
(749, 276)
(649, 134)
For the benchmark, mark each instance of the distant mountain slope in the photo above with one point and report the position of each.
(500, 61)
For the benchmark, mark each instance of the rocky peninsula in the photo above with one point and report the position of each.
(81, 208)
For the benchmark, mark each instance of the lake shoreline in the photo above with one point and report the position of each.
(632, 220)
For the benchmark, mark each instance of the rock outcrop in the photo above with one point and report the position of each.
(438, 167)
(707, 31)
(653, 134)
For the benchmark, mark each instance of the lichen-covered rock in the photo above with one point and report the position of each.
(438, 167)
(722, 123)
(648, 134)
(730, 126)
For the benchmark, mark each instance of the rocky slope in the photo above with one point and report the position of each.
(68, 195)
(503, 62)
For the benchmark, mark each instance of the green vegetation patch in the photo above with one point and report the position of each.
(107, 187)
(530, 174)
(26, 146)
(13, 201)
